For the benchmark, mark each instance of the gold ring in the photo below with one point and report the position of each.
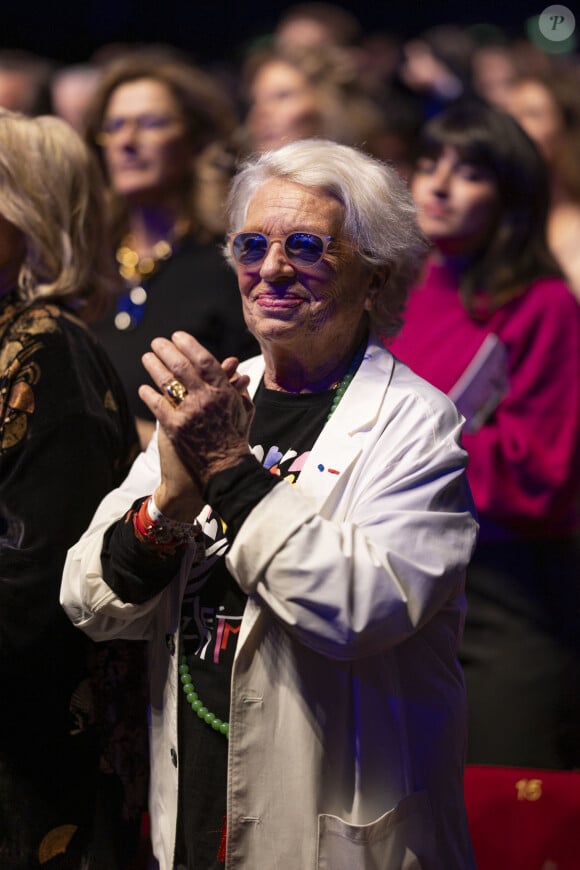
(176, 391)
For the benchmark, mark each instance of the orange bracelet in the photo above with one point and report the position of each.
(163, 532)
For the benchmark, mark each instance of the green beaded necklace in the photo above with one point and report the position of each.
(191, 696)
(197, 704)
(344, 384)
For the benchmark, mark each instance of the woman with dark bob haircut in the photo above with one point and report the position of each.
(494, 326)
(515, 252)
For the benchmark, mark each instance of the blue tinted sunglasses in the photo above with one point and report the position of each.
(301, 249)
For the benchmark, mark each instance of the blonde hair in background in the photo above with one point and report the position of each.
(51, 190)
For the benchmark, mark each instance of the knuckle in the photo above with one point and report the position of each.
(205, 362)
(180, 369)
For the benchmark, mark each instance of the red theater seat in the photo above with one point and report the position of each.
(523, 819)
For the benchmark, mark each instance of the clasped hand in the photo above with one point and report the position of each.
(207, 431)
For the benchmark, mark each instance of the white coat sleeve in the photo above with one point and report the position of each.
(87, 599)
(353, 579)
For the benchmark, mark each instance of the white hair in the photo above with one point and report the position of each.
(380, 216)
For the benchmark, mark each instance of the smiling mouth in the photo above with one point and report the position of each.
(279, 303)
(435, 211)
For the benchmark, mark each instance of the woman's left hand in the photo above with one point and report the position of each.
(209, 427)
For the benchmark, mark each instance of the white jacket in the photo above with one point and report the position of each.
(347, 721)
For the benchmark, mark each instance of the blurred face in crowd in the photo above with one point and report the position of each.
(457, 202)
(147, 149)
(12, 253)
(71, 94)
(533, 107)
(284, 106)
(493, 75)
(298, 32)
(16, 90)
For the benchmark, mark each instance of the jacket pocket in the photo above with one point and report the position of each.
(401, 839)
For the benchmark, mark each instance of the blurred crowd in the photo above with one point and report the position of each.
(319, 74)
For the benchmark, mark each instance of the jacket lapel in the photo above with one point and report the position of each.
(340, 442)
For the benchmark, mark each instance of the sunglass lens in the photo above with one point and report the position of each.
(304, 248)
(250, 248)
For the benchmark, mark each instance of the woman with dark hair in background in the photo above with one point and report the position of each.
(157, 125)
(493, 325)
(73, 764)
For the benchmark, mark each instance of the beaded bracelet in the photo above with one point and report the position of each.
(155, 528)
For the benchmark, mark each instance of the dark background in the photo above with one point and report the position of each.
(213, 31)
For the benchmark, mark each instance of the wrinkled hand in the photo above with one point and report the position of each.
(205, 433)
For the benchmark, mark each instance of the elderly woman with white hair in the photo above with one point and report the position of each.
(303, 597)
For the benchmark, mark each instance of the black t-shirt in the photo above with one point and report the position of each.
(284, 429)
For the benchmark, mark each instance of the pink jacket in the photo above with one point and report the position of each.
(524, 461)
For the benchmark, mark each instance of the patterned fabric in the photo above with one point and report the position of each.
(73, 731)
(21, 333)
